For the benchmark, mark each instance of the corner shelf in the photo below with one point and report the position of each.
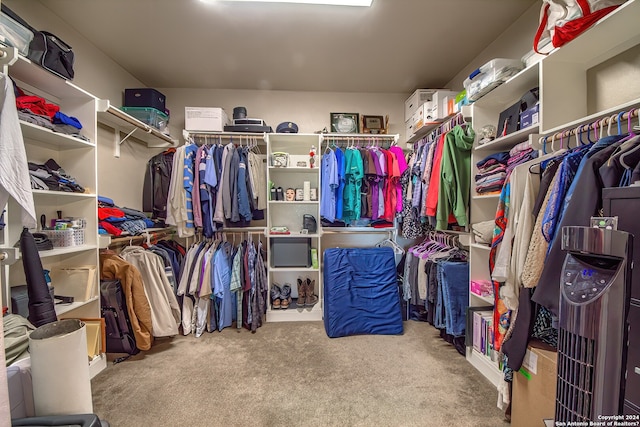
(123, 122)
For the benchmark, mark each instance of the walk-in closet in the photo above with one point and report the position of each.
(319, 213)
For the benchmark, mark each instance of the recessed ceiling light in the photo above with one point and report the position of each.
(365, 3)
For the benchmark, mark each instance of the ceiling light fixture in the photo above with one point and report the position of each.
(364, 3)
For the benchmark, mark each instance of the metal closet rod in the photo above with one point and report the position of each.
(597, 126)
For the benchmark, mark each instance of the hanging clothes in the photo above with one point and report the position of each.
(455, 170)
(165, 312)
(114, 267)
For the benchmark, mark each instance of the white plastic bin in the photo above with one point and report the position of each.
(491, 75)
(60, 369)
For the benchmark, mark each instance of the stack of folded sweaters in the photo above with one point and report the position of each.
(492, 172)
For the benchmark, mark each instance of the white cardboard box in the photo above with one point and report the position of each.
(416, 100)
(438, 106)
(210, 119)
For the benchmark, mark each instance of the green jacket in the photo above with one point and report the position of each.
(455, 177)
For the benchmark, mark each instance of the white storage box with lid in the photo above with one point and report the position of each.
(491, 75)
(415, 101)
(208, 119)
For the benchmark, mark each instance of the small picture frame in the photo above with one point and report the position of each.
(299, 194)
(313, 194)
(374, 124)
(345, 122)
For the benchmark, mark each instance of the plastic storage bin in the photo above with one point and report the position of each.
(150, 116)
(65, 238)
(491, 75)
(14, 34)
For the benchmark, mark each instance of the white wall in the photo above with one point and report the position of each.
(309, 110)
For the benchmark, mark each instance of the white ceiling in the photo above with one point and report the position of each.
(394, 46)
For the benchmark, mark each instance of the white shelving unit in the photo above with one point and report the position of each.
(289, 214)
(79, 159)
(562, 79)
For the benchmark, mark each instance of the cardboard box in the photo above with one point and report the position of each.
(207, 119)
(534, 387)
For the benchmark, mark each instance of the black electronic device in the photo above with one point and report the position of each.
(248, 128)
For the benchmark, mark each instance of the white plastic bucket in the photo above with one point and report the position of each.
(60, 369)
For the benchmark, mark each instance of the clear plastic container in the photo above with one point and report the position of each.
(150, 116)
(14, 34)
(491, 75)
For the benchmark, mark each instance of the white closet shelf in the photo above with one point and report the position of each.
(485, 365)
(37, 135)
(97, 365)
(488, 299)
(66, 250)
(293, 202)
(357, 230)
(486, 196)
(49, 196)
(593, 117)
(295, 314)
(65, 308)
(511, 90)
(24, 70)
(293, 235)
(273, 169)
(121, 121)
(481, 246)
(510, 140)
(291, 269)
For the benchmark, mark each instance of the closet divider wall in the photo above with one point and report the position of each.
(562, 79)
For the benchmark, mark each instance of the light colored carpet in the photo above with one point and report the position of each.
(293, 374)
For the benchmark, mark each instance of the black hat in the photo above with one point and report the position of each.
(287, 127)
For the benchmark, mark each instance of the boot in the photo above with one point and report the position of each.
(302, 286)
(275, 296)
(310, 299)
(285, 296)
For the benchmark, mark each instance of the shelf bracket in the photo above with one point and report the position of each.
(8, 255)
(118, 142)
(8, 57)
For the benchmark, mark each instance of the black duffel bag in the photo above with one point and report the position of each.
(51, 53)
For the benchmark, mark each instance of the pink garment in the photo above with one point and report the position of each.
(402, 166)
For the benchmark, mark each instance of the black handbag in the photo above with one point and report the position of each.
(52, 53)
